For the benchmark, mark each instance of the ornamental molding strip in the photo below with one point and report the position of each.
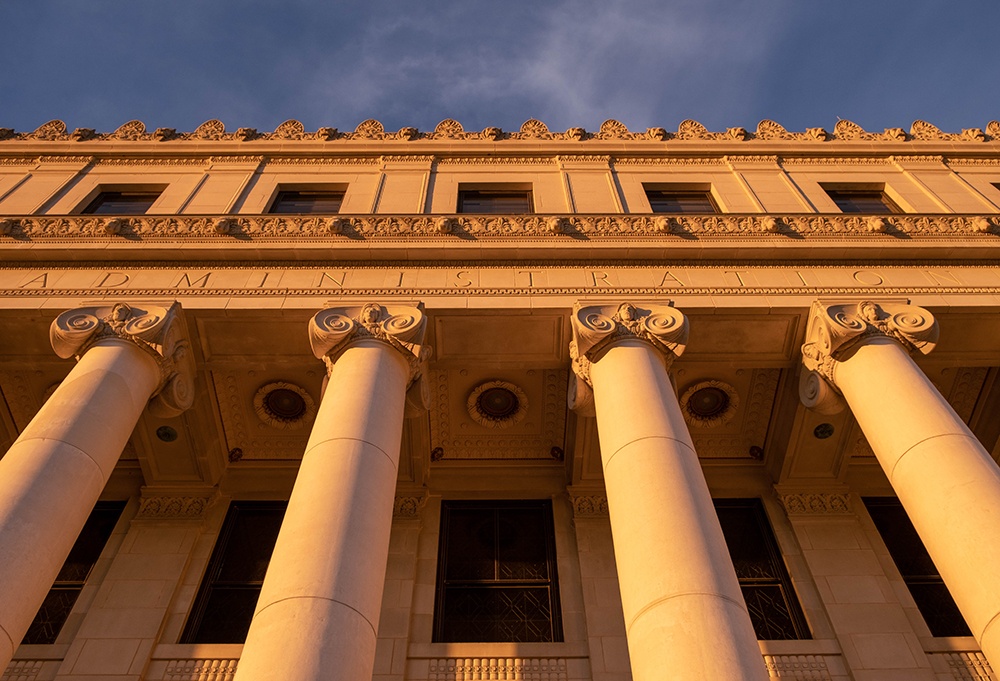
(532, 129)
(408, 507)
(158, 331)
(815, 503)
(463, 226)
(402, 327)
(174, 507)
(589, 505)
(597, 327)
(836, 330)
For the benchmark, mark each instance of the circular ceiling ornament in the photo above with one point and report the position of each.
(282, 405)
(709, 404)
(497, 404)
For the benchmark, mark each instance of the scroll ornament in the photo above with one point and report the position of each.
(597, 327)
(158, 331)
(836, 331)
(333, 330)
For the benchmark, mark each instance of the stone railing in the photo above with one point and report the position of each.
(962, 666)
(502, 669)
(235, 228)
(26, 670)
(193, 670)
(806, 667)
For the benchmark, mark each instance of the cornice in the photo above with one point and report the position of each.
(532, 129)
(449, 227)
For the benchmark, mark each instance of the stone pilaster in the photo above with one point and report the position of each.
(684, 613)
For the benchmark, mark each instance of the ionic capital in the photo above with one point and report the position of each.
(158, 331)
(836, 331)
(596, 328)
(333, 330)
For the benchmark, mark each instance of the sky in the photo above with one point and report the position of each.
(726, 63)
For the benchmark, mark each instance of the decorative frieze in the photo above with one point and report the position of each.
(589, 505)
(555, 227)
(407, 507)
(815, 503)
(158, 331)
(836, 330)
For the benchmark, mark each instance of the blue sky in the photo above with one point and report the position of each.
(251, 63)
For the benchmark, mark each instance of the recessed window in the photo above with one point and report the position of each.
(497, 573)
(764, 581)
(124, 202)
(307, 201)
(916, 567)
(513, 201)
(680, 200)
(73, 576)
(868, 200)
(229, 592)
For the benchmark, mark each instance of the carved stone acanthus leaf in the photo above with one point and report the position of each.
(815, 503)
(836, 331)
(161, 332)
(333, 330)
(171, 507)
(597, 327)
(589, 505)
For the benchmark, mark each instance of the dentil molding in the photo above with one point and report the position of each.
(158, 331)
(597, 327)
(836, 330)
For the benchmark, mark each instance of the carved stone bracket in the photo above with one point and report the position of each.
(159, 331)
(333, 330)
(837, 330)
(597, 327)
(408, 507)
(816, 503)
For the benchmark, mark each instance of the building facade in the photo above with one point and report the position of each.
(455, 405)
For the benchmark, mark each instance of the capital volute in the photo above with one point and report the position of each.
(402, 327)
(159, 331)
(597, 328)
(835, 332)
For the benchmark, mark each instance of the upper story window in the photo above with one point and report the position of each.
(73, 575)
(307, 201)
(680, 199)
(231, 586)
(869, 199)
(512, 200)
(497, 573)
(919, 573)
(764, 581)
(123, 202)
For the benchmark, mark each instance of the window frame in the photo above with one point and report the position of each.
(192, 632)
(864, 190)
(552, 583)
(94, 200)
(681, 190)
(284, 189)
(772, 550)
(498, 190)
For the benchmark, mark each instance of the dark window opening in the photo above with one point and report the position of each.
(681, 201)
(497, 573)
(764, 581)
(73, 576)
(125, 202)
(868, 201)
(514, 201)
(916, 567)
(307, 201)
(229, 592)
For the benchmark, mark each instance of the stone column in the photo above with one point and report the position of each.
(318, 612)
(684, 613)
(53, 474)
(945, 479)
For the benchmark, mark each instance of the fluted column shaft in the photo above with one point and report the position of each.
(317, 616)
(685, 616)
(53, 474)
